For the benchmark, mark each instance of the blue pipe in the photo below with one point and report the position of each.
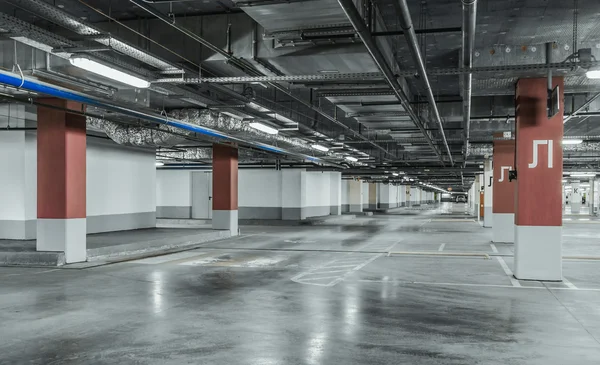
(16, 81)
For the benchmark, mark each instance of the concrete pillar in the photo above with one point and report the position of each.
(293, 194)
(503, 205)
(479, 196)
(575, 199)
(335, 193)
(225, 188)
(488, 186)
(355, 196)
(373, 195)
(594, 183)
(61, 182)
(538, 213)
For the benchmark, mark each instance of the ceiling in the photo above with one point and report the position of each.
(302, 68)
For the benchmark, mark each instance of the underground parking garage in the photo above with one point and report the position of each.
(299, 182)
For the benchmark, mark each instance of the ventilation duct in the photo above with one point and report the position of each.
(128, 135)
(488, 149)
(163, 135)
(200, 154)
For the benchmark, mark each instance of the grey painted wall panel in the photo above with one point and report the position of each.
(120, 222)
(260, 212)
(174, 212)
(18, 230)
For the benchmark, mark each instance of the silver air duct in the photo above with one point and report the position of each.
(164, 137)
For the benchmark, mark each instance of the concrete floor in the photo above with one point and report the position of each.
(313, 295)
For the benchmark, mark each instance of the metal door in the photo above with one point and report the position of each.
(201, 195)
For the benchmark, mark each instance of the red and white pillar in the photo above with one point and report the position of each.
(538, 199)
(503, 206)
(225, 188)
(61, 184)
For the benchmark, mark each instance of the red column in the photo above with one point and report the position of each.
(503, 206)
(538, 201)
(225, 188)
(61, 184)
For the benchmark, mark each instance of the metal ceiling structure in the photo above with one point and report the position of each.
(408, 86)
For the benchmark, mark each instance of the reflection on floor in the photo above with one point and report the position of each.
(326, 294)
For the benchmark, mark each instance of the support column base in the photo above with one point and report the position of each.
(63, 235)
(503, 230)
(488, 217)
(538, 253)
(356, 208)
(225, 219)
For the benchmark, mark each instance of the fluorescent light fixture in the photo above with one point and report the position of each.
(260, 108)
(195, 102)
(395, 173)
(351, 159)
(582, 174)
(281, 118)
(572, 141)
(320, 148)
(263, 128)
(235, 116)
(328, 71)
(88, 64)
(411, 179)
(160, 163)
(593, 74)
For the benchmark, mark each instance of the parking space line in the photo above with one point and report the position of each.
(508, 272)
(319, 278)
(568, 283)
(442, 247)
(494, 249)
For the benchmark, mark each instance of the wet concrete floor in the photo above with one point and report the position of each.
(326, 294)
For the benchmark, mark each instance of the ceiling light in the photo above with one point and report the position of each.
(582, 174)
(263, 128)
(395, 173)
(320, 148)
(351, 159)
(281, 118)
(88, 64)
(328, 71)
(593, 74)
(572, 141)
(160, 163)
(195, 102)
(260, 108)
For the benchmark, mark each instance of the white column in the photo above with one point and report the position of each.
(575, 199)
(355, 196)
(335, 193)
(488, 194)
(293, 194)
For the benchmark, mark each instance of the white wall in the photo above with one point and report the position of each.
(120, 180)
(318, 191)
(173, 188)
(259, 188)
(18, 184)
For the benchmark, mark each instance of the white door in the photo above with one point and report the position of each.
(201, 195)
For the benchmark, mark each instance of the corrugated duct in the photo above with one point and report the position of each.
(143, 137)
(488, 149)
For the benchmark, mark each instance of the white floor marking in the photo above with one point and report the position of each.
(361, 260)
(319, 278)
(442, 247)
(399, 282)
(494, 249)
(166, 258)
(508, 272)
(568, 283)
